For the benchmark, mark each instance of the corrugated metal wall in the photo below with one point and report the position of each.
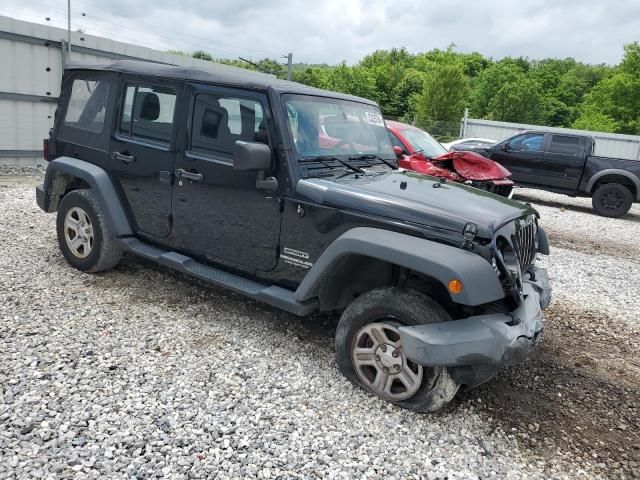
(32, 62)
(607, 144)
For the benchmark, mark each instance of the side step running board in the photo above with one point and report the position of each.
(273, 295)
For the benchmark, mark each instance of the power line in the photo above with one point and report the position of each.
(156, 26)
(136, 40)
(30, 17)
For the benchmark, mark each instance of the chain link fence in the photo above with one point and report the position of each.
(440, 130)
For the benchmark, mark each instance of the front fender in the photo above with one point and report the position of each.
(442, 262)
(60, 170)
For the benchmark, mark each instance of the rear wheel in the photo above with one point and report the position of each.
(84, 236)
(612, 200)
(369, 350)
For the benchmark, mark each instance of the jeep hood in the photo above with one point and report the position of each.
(416, 198)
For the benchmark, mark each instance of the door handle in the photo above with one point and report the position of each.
(194, 177)
(123, 157)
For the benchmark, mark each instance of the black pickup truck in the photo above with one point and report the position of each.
(564, 163)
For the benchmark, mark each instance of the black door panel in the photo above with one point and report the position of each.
(522, 156)
(217, 211)
(564, 161)
(142, 156)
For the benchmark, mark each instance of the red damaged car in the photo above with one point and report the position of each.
(419, 151)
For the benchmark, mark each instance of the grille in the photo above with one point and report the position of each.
(525, 242)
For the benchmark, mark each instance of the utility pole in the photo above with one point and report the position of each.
(463, 127)
(289, 65)
(69, 25)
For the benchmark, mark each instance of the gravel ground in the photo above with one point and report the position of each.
(595, 261)
(142, 372)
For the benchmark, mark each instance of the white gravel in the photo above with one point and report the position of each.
(141, 372)
(595, 261)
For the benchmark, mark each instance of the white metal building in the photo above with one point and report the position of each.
(32, 57)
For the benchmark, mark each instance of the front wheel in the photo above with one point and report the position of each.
(612, 200)
(369, 350)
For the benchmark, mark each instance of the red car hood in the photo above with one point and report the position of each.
(473, 166)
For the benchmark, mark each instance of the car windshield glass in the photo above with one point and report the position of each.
(323, 127)
(422, 142)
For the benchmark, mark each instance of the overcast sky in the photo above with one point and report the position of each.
(331, 30)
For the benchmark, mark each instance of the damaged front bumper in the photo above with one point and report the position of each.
(479, 345)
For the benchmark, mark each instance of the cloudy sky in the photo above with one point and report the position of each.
(332, 30)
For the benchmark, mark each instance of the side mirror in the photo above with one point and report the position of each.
(251, 156)
(399, 151)
(505, 147)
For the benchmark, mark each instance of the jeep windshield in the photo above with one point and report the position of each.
(336, 133)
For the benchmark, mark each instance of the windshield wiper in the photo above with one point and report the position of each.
(324, 158)
(375, 157)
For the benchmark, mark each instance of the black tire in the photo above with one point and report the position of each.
(612, 200)
(397, 307)
(103, 252)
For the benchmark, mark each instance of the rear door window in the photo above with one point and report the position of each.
(148, 113)
(564, 144)
(87, 105)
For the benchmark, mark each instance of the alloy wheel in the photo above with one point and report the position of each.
(78, 232)
(380, 362)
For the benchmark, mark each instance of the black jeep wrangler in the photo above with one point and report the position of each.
(291, 195)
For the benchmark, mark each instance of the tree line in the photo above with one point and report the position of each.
(433, 88)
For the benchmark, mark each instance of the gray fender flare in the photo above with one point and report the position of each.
(442, 262)
(615, 171)
(99, 181)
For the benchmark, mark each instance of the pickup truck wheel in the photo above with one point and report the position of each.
(612, 200)
(369, 350)
(83, 233)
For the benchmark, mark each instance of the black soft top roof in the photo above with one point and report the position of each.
(217, 73)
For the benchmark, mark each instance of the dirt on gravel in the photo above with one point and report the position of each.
(568, 240)
(579, 397)
(563, 205)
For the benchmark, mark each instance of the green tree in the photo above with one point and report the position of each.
(631, 62)
(444, 96)
(314, 77)
(410, 86)
(202, 55)
(592, 119)
(613, 105)
(519, 101)
(353, 80)
(388, 69)
(436, 85)
(489, 83)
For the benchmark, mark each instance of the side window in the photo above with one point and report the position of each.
(147, 112)
(531, 142)
(87, 105)
(218, 121)
(564, 144)
(395, 141)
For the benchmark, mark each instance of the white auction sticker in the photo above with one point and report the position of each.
(374, 118)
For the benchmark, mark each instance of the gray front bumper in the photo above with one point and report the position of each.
(493, 339)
